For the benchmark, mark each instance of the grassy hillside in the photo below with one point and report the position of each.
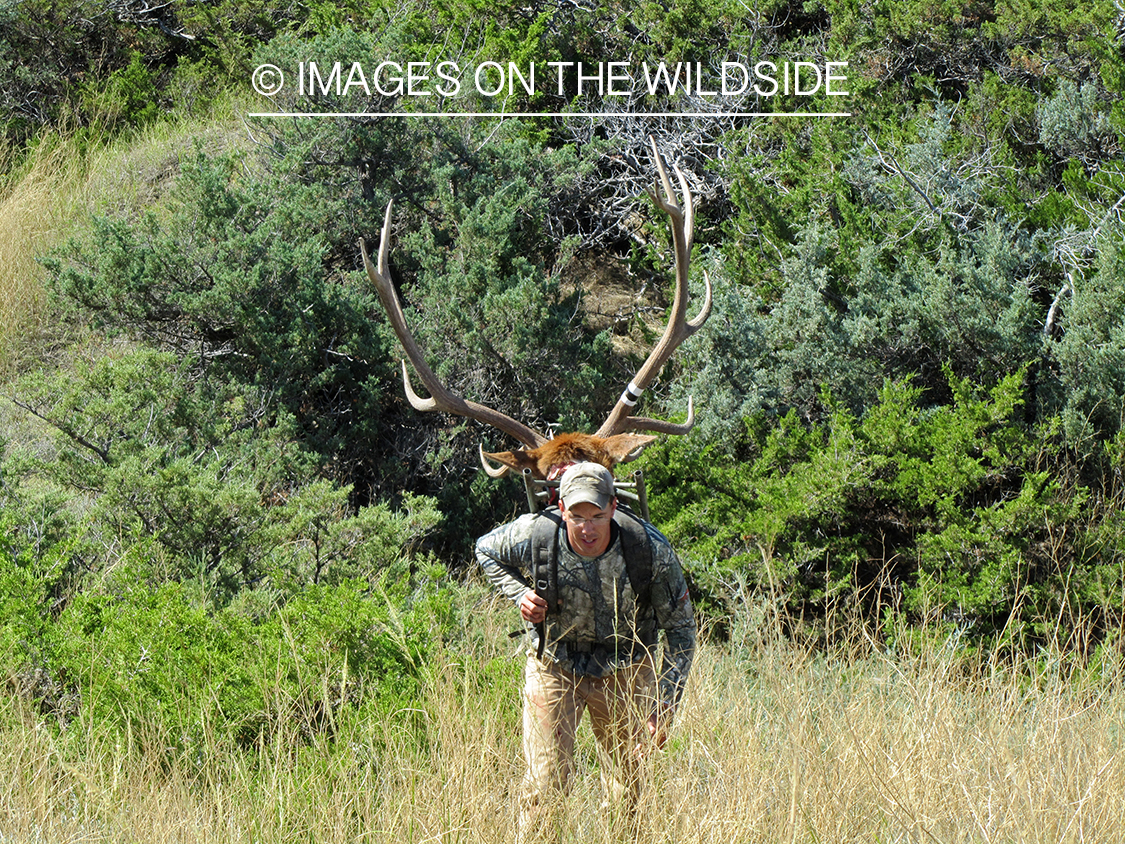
(48, 193)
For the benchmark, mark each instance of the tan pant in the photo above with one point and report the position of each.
(553, 703)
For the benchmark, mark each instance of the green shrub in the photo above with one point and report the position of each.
(929, 509)
(127, 97)
(967, 304)
(162, 661)
(23, 605)
(223, 283)
(1090, 355)
(150, 461)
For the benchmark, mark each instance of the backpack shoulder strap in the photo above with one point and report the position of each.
(637, 548)
(545, 557)
(545, 565)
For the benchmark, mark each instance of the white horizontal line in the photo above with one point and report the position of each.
(549, 114)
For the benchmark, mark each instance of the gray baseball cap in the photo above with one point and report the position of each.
(587, 482)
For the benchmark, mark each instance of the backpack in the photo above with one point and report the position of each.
(636, 546)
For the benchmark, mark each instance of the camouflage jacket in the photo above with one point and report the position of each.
(599, 627)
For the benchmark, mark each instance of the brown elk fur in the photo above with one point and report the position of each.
(573, 448)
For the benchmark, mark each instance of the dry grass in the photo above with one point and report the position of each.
(29, 216)
(775, 744)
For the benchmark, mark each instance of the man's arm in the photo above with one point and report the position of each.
(505, 555)
(671, 602)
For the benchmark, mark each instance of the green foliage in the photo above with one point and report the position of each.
(508, 316)
(132, 624)
(133, 436)
(1090, 355)
(23, 603)
(222, 282)
(148, 461)
(936, 459)
(126, 97)
(1071, 124)
(45, 49)
(968, 303)
(162, 659)
(315, 538)
(943, 502)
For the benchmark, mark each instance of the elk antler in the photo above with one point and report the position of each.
(610, 445)
(441, 398)
(679, 328)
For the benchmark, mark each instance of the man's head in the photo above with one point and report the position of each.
(587, 501)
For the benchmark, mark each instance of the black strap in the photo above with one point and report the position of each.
(545, 566)
(637, 548)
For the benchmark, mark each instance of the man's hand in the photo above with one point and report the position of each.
(533, 608)
(658, 724)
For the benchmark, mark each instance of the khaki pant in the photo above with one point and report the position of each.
(553, 703)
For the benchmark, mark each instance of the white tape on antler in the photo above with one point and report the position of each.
(632, 394)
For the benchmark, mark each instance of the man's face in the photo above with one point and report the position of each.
(588, 527)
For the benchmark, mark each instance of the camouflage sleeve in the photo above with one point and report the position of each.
(672, 605)
(505, 556)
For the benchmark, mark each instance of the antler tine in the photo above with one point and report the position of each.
(661, 426)
(679, 328)
(440, 398)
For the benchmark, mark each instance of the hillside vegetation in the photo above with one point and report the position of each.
(224, 531)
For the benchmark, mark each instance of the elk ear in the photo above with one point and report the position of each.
(625, 447)
(517, 460)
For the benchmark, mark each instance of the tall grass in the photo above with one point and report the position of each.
(776, 742)
(29, 215)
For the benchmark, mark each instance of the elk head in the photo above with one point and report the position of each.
(615, 441)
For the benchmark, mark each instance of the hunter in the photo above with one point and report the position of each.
(594, 584)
